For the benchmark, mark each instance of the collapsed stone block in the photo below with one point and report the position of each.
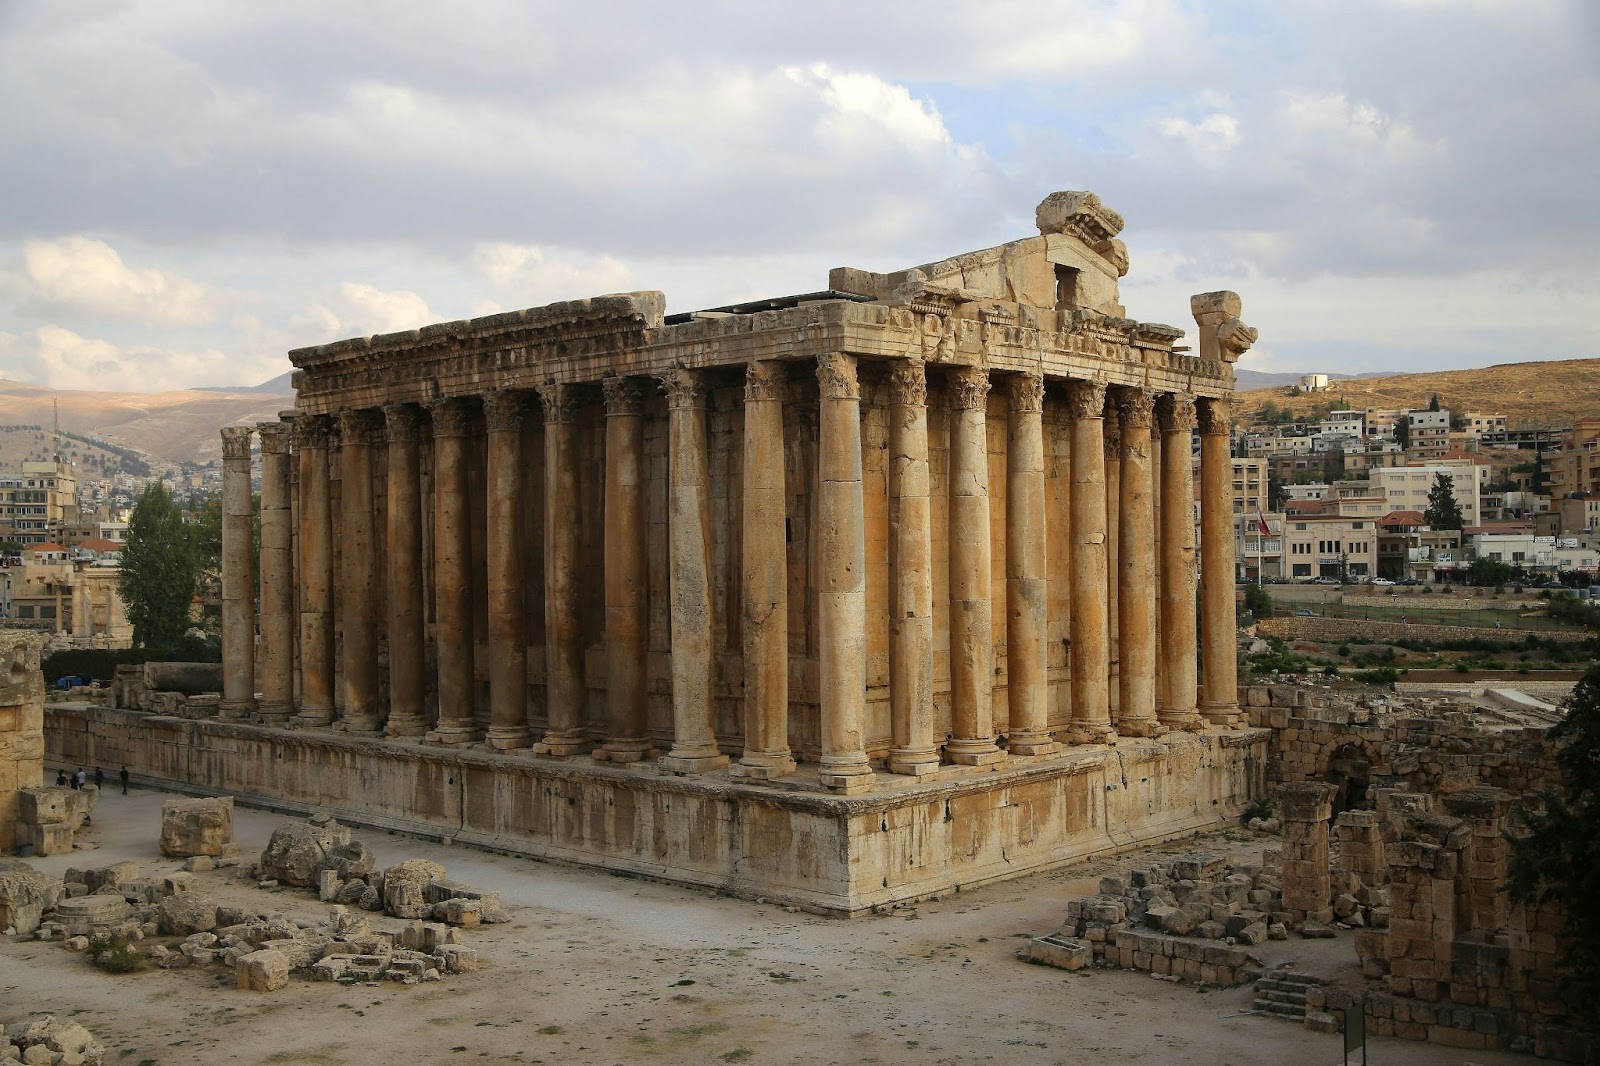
(263, 971)
(297, 851)
(458, 959)
(186, 913)
(1064, 953)
(24, 892)
(197, 827)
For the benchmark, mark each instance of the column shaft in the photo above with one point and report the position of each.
(1177, 564)
(565, 690)
(626, 579)
(316, 574)
(1218, 645)
(764, 578)
(910, 575)
(694, 741)
(508, 636)
(842, 595)
(1113, 477)
(358, 574)
(1027, 592)
(452, 575)
(276, 665)
(972, 740)
(1136, 584)
(238, 577)
(1090, 626)
(407, 661)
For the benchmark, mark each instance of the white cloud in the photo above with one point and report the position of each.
(88, 276)
(529, 275)
(64, 360)
(1211, 139)
(358, 309)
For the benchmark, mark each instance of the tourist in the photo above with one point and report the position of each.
(124, 780)
(61, 778)
(99, 778)
(79, 778)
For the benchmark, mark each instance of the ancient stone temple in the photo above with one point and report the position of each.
(847, 596)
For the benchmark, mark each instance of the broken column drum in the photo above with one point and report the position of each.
(810, 539)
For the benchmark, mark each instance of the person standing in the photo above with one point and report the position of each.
(61, 777)
(124, 780)
(80, 779)
(99, 778)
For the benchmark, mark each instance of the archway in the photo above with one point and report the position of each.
(1350, 769)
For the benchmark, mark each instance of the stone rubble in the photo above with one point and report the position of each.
(50, 1041)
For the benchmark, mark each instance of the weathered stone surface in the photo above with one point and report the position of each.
(23, 894)
(85, 914)
(197, 826)
(186, 913)
(296, 851)
(58, 1035)
(263, 971)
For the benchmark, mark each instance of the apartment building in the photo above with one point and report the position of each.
(1325, 545)
(1406, 487)
(1575, 465)
(1428, 434)
(37, 502)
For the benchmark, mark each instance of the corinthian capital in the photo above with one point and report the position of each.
(908, 383)
(969, 388)
(1086, 399)
(763, 380)
(504, 410)
(561, 402)
(1176, 412)
(452, 417)
(274, 437)
(358, 427)
(1136, 407)
(310, 431)
(623, 396)
(1214, 418)
(236, 442)
(836, 377)
(684, 389)
(1025, 391)
(402, 423)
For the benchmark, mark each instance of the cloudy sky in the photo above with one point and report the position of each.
(188, 189)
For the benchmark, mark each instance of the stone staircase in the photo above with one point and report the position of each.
(1282, 994)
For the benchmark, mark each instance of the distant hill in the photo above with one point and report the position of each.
(278, 386)
(1258, 379)
(1549, 393)
(181, 425)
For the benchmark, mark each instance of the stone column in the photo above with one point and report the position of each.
(407, 660)
(1112, 429)
(694, 741)
(452, 574)
(910, 574)
(503, 411)
(316, 573)
(1177, 565)
(626, 578)
(277, 578)
(358, 576)
(238, 577)
(1218, 644)
(1027, 593)
(972, 740)
(1136, 571)
(565, 689)
(1306, 807)
(765, 579)
(842, 588)
(1090, 624)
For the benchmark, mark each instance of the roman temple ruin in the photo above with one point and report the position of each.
(841, 598)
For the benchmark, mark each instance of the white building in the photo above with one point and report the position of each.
(1407, 487)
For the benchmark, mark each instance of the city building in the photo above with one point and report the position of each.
(1575, 465)
(1330, 545)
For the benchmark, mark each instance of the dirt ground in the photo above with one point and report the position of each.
(602, 969)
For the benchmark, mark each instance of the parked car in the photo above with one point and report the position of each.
(1306, 613)
(1411, 581)
(1324, 581)
(1381, 581)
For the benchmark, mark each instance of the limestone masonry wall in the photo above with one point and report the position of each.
(21, 728)
(1340, 629)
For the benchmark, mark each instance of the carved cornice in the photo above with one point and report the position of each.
(236, 442)
(1025, 392)
(311, 431)
(452, 417)
(764, 380)
(908, 383)
(1136, 408)
(561, 401)
(623, 396)
(274, 437)
(358, 427)
(836, 377)
(1078, 214)
(1214, 418)
(402, 423)
(969, 388)
(1176, 412)
(504, 410)
(1086, 399)
(684, 389)
(1235, 338)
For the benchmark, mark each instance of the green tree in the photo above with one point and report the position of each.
(1443, 511)
(159, 570)
(1488, 573)
(1558, 860)
(1433, 403)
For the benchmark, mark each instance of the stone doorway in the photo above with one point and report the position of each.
(1350, 770)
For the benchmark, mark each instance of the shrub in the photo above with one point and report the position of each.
(120, 955)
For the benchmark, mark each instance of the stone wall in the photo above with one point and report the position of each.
(21, 726)
(797, 844)
(1332, 630)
